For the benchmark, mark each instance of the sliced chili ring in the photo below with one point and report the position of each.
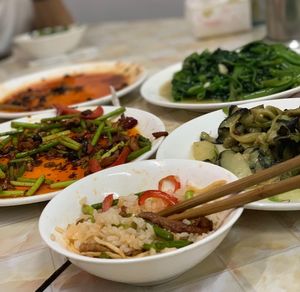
(167, 198)
(171, 179)
(107, 202)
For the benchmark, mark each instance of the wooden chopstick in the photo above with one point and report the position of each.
(51, 279)
(234, 187)
(241, 199)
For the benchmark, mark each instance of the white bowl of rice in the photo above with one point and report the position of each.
(115, 241)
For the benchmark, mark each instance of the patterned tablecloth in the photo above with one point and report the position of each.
(262, 251)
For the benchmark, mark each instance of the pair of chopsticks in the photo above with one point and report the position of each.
(207, 204)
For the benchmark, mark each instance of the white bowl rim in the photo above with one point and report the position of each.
(235, 214)
(27, 37)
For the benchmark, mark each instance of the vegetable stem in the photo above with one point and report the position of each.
(21, 183)
(62, 184)
(35, 186)
(27, 179)
(111, 114)
(135, 154)
(41, 148)
(56, 135)
(12, 193)
(97, 134)
(25, 125)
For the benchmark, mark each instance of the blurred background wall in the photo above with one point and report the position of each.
(89, 11)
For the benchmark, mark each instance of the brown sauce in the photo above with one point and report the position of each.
(70, 89)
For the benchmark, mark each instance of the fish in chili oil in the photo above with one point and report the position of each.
(67, 90)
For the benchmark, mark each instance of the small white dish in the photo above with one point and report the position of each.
(45, 46)
(147, 124)
(184, 136)
(136, 75)
(127, 179)
(152, 92)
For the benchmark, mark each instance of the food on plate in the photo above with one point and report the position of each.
(49, 30)
(253, 139)
(49, 155)
(70, 89)
(128, 226)
(256, 70)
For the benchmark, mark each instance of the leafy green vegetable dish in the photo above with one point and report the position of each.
(257, 70)
(252, 139)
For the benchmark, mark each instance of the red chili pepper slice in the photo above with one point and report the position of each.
(107, 202)
(96, 113)
(169, 199)
(65, 110)
(172, 179)
(94, 165)
(122, 157)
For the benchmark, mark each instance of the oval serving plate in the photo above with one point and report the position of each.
(184, 136)
(135, 73)
(147, 124)
(151, 91)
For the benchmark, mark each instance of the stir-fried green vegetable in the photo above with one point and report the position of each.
(253, 139)
(257, 70)
(76, 144)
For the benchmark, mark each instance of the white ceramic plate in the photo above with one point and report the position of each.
(136, 72)
(179, 144)
(151, 91)
(147, 124)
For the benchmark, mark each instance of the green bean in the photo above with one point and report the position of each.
(135, 154)
(21, 170)
(19, 160)
(69, 140)
(11, 172)
(109, 136)
(83, 124)
(41, 148)
(2, 174)
(162, 233)
(69, 145)
(62, 184)
(8, 133)
(87, 210)
(25, 125)
(159, 245)
(21, 183)
(59, 118)
(15, 141)
(55, 130)
(113, 113)
(27, 179)
(56, 135)
(188, 194)
(143, 141)
(51, 126)
(4, 142)
(97, 134)
(110, 129)
(98, 206)
(35, 186)
(113, 149)
(12, 193)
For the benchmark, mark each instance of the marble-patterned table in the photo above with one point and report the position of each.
(262, 251)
